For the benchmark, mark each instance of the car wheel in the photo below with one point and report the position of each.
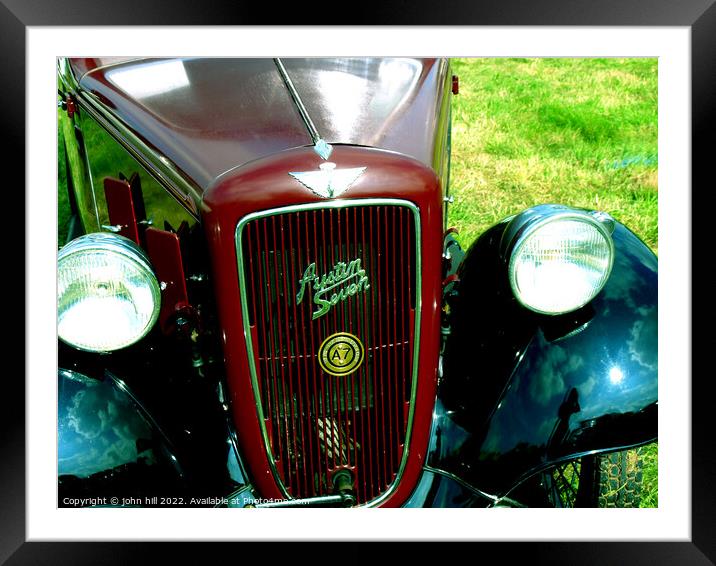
(605, 480)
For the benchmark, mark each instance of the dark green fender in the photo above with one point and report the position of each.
(521, 391)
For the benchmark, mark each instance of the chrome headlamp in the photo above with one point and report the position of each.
(558, 258)
(107, 294)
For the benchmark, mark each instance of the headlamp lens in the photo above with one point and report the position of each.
(108, 295)
(560, 265)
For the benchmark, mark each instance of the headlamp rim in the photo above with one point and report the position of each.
(105, 241)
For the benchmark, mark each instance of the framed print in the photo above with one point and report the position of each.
(293, 460)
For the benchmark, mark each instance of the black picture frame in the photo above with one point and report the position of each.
(698, 15)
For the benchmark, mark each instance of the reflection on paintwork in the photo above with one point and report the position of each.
(78, 169)
(642, 344)
(109, 159)
(347, 90)
(151, 78)
(616, 375)
(350, 93)
(397, 78)
(358, 101)
(98, 428)
(108, 447)
(442, 425)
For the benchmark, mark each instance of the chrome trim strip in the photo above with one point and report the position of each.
(321, 147)
(416, 333)
(233, 438)
(117, 63)
(66, 76)
(108, 242)
(495, 500)
(240, 497)
(321, 500)
(156, 164)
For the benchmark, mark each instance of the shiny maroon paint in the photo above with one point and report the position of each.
(265, 184)
(165, 254)
(231, 129)
(121, 208)
(223, 113)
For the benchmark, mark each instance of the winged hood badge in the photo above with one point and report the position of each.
(328, 182)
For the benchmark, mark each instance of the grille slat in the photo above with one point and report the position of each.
(318, 423)
(380, 354)
(315, 458)
(328, 422)
(369, 477)
(278, 344)
(359, 456)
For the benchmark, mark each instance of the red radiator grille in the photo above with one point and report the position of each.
(317, 423)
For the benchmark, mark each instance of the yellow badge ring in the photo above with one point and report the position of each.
(341, 354)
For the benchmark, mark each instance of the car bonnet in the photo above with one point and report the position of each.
(210, 115)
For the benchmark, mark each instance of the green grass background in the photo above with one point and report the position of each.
(575, 131)
(581, 132)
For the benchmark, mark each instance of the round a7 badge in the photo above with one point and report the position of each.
(341, 354)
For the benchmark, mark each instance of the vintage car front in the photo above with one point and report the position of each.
(260, 304)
